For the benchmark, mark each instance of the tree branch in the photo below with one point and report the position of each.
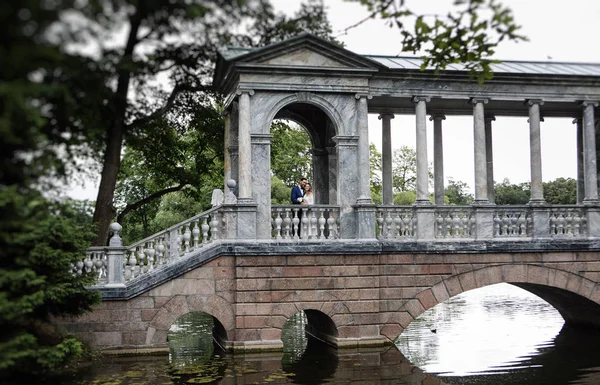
(134, 206)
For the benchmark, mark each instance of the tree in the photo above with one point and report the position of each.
(456, 193)
(468, 34)
(561, 191)
(40, 239)
(290, 156)
(404, 174)
(375, 169)
(506, 193)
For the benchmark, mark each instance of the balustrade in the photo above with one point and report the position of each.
(453, 222)
(512, 222)
(314, 222)
(320, 223)
(396, 222)
(567, 221)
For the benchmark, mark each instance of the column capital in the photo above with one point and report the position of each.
(586, 103)
(420, 98)
(360, 95)
(261, 138)
(241, 91)
(531, 102)
(478, 99)
(489, 118)
(386, 115)
(437, 117)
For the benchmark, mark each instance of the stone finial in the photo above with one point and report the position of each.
(115, 240)
(230, 198)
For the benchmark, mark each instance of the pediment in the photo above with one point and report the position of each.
(305, 57)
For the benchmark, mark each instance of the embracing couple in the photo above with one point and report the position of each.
(302, 193)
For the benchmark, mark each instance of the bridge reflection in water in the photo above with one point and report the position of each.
(496, 335)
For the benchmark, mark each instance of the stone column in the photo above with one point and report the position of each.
(246, 207)
(332, 160)
(261, 181)
(489, 155)
(319, 180)
(589, 154)
(364, 173)
(580, 174)
(421, 148)
(438, 158)
(347, 192)
(535, 152)
(386, 158)
(481, 183)
(232, 150)
(245, 147)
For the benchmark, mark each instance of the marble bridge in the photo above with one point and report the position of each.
(361, 272)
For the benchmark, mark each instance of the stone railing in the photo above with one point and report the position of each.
(454, 222)
(305, 222)
(512, 222)
(153, 252)
(568, 221)
(396, 222)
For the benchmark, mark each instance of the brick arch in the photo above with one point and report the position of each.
(524, 275)
(180, 305)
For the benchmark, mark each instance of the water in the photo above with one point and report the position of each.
(498, 335)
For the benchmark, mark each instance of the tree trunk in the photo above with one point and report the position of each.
(104, 211)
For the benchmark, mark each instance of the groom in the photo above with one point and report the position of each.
(298, 192)
(297, 198)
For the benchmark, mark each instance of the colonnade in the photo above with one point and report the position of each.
(587, 187)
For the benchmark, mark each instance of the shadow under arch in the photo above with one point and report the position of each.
(318, 359)
(196, 336)
(571, 294)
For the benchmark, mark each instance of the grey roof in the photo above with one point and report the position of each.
(508, 67)
(505, 66)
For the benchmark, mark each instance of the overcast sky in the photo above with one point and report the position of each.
(557, 31)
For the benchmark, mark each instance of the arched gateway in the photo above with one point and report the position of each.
(361, 271)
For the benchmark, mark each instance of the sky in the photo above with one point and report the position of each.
(557, 31)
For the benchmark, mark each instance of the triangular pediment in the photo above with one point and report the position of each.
(305, 57)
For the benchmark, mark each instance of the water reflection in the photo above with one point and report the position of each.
(500, 335)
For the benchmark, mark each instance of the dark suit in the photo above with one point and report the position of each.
(296, 193)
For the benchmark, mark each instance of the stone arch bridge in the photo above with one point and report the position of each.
(361, 271)
(354, 293)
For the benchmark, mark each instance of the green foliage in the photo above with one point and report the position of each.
(290, 156)
(280, 192)
(456, 193)
(469, 33)
(405, 198)
(40, 242)
(561, 191)
(506, 193)
(375, 169)
(404, 166)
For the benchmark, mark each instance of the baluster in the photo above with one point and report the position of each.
(215, 229)
(497, 221)
(205, 228)
(295, 223)
(286, 224)
(576, 224)
(187, 235)
(304, 222)
(277, 224)
(141, 258)
(331, 226)
(99, 264)
(561, 224)
(150, 255)
(321, 223)
(380, 224)
(569, 223)
(522, 225)
(132, 263)
(79, 266)
(160, 252)
(465, 225)
(195, 236)
(399, 229)
(88, 262)
(456, 226)
(439, 225)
